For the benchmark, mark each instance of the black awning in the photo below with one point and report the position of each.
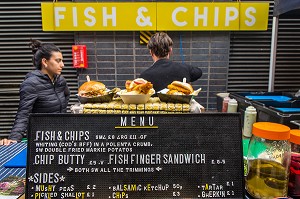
(283, 6)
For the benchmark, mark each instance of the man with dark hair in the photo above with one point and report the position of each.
(164, 71)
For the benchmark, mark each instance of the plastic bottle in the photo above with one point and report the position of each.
(269, 157)
(249, 120)
(225, 104)
(232, 106)
(294, 179)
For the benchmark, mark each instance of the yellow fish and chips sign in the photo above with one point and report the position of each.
(155, 16)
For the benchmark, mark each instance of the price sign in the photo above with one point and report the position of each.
(135, 156)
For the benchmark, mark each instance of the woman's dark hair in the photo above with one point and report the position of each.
(160, 44)
(41, 50)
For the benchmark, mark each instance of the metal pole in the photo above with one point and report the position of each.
(273, 54)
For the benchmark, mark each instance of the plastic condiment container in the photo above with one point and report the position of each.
(232, 106)
(268, 160)
(225, 104)
(294, 179)
(249, 120)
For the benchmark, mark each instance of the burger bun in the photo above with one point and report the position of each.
(182, 87)
(92, 87)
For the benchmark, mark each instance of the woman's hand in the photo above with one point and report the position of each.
(7, 142)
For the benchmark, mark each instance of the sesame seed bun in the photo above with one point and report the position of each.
(92, 88)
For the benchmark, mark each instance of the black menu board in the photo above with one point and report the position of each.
(135, 156)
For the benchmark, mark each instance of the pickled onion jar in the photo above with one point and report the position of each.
(269, 155)
(294, 179)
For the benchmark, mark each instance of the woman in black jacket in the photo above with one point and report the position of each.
(44, 90)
